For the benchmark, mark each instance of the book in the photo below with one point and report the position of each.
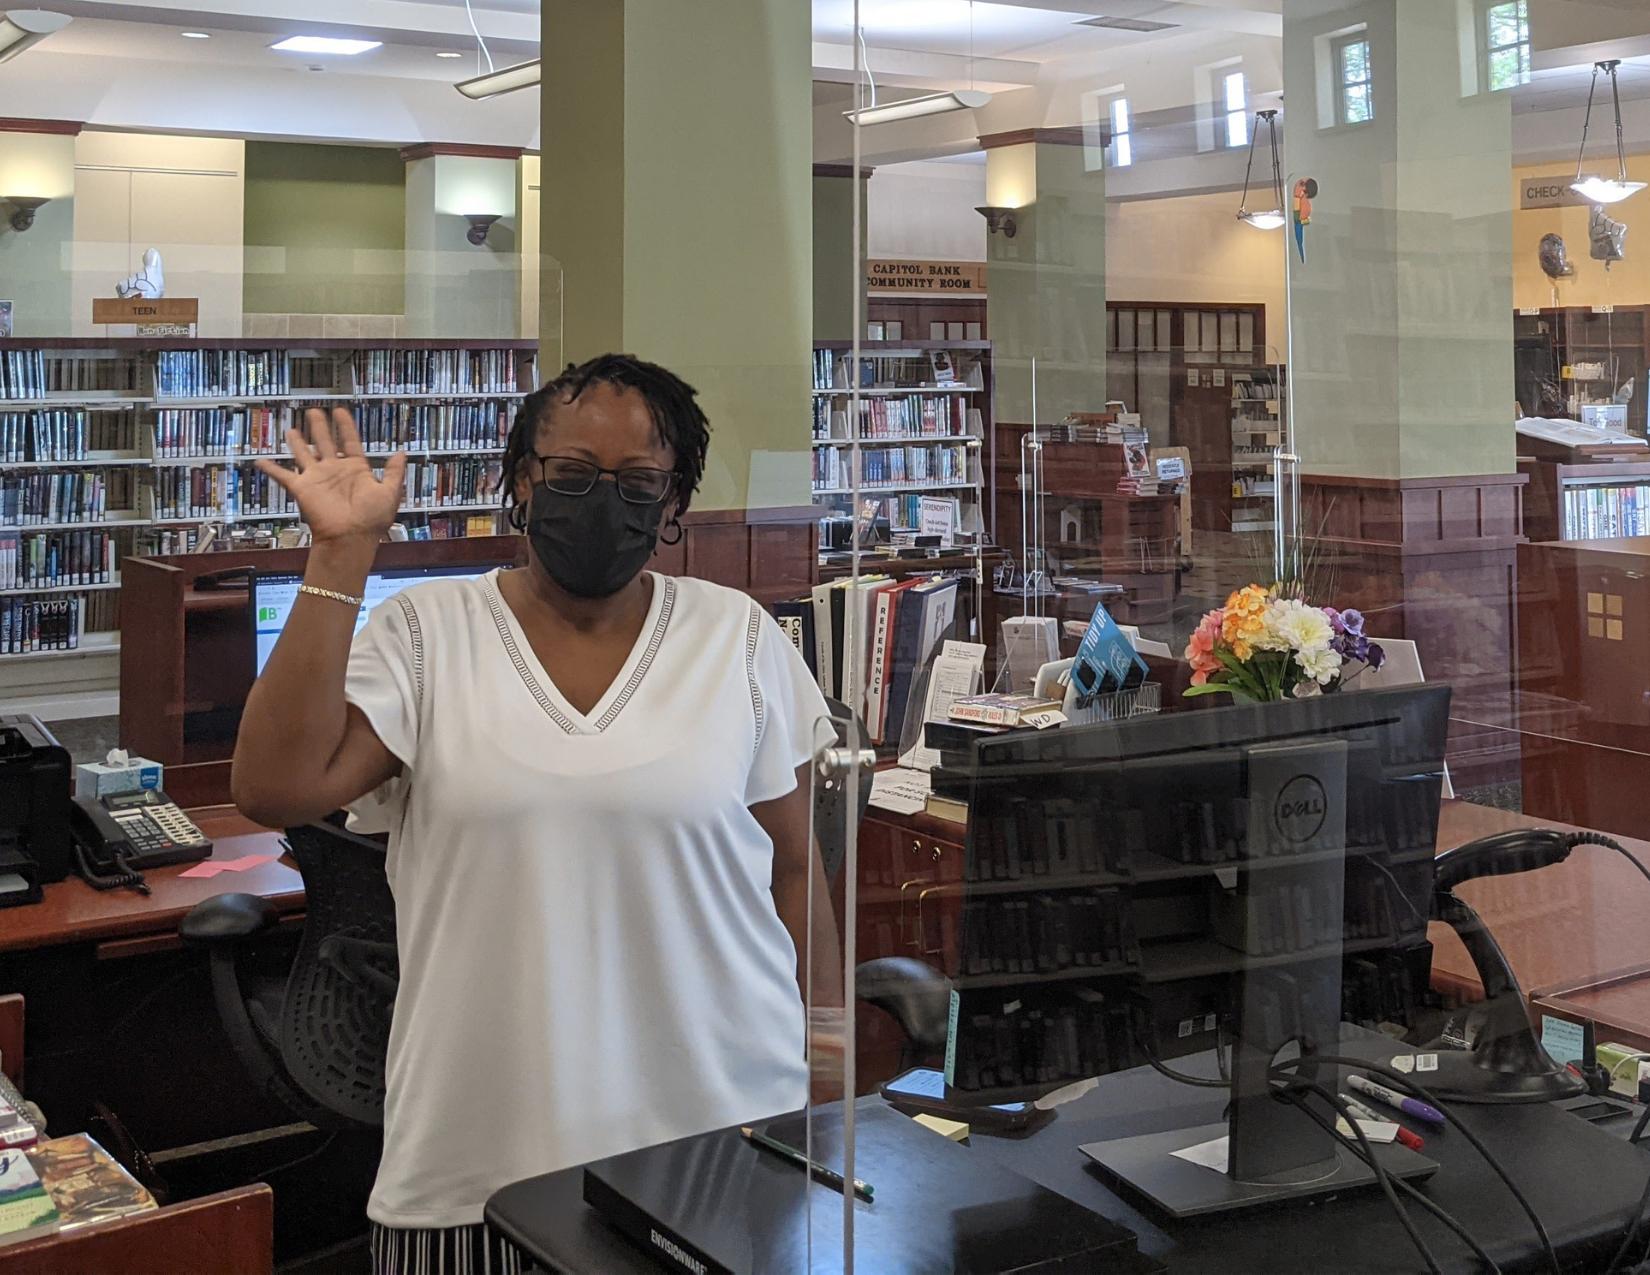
(796, 618)
(948, 808)
(1001, 710)
(26, 1210)
(823, 654)
(86, 1184)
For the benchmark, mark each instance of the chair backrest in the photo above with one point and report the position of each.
(334, 1030)
(831, 797)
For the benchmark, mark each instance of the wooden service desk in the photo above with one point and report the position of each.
(121, 1012)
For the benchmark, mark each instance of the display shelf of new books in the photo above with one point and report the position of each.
(151, 442)
(1258, 402)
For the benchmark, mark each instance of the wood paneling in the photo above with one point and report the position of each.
(1433, 560)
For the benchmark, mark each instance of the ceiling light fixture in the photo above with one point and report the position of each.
(26, 205)
(24, 28)
(196, 35)
(325, 44)
(1273, 218)
(1604, 190)
(523, 75)
(914, 107)
(448, 53)
(1141, 26)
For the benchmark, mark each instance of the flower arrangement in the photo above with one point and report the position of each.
(1263, 646)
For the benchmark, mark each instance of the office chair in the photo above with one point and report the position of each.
(315, 1040)
(916, 994)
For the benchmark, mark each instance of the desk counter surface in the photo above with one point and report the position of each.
(73, 912)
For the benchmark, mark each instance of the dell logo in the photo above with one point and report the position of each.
(1300, 809)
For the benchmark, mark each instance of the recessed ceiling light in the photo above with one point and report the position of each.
(325, 44)
(196, 35)
(1141, 25)
(449, 55)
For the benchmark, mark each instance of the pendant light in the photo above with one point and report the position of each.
(1273, 218)
(24, 28)
(910, 108)
(1604, 190)
(523, 75)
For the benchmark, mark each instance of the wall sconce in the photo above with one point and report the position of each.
(998, 219)
(25, 205)
(480, 224)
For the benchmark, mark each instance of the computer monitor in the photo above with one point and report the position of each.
(1140, 890)
(273, 596)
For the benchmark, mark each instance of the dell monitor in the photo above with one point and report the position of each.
(1141, 890)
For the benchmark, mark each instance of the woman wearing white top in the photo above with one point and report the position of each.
(594, 781)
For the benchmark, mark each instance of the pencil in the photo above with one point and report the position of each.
(819, 1173)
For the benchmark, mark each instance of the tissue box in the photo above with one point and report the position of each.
(101, 778)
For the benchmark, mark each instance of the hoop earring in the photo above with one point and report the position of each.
(516, 516)
(676, 523)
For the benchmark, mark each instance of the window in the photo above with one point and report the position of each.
(1507, 43)
(1236, 99)
(1122, 145)
(1355, 79)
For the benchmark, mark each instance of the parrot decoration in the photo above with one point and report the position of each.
(1306, 190)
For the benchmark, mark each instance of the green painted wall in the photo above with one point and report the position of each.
(325, 228)
(701, 260)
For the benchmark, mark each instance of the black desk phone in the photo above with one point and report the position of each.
(119, 835)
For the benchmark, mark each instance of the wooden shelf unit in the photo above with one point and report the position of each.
(104, 395)
(1561, 477)
(1549, 342)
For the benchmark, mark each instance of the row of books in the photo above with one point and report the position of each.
(450, 526)
(37, 624)
(1598, 513)
(894, 626)
(435, 371)
(1074, 1033)
(51, 434)
(904, 512)
(891, 466)
(1091, 929)
(387, 427)
(23, 374)
(219, 491)
(469, 480)
(76, 495)
(189, 432)
(232, 373)
(51, 559)
(914, 416)
(1053, 839)
(833, 369)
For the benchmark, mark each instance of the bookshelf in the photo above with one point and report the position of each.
(1571, 360)
(1257, 430)
(1583, 490)
(925, 421)
(130, 447)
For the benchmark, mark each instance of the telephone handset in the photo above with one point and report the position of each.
(118, 835)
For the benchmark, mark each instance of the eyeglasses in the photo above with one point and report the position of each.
(568, 476)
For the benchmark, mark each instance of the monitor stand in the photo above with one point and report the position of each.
(1148, 1165)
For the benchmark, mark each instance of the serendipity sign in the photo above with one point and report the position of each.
(932, 277)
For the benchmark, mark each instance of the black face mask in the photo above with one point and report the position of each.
(595, 544)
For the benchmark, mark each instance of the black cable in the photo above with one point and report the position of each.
(1403, 1081)
(1633, 1229)
(1432, 1206)
(118, 877)
(1599, 839)
(1202, 1082)
(1381, 1174)
(1638, 1129)
(303, 1159)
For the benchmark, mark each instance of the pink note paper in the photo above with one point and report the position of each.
(211, 867)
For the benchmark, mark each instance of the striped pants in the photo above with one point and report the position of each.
(453, 1250)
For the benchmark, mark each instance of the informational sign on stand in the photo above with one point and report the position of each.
(170, 312)
(936, 516)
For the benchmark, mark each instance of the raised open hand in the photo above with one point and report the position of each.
(337, 492)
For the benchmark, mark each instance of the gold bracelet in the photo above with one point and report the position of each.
(328, 593)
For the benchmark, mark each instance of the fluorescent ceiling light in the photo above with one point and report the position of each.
(1141, 25)
(1272, 220)
(913, 107)
(521, 76)
(23, 28)
(325, 44)
(1605, 190)
(196, 35)
(449, 54)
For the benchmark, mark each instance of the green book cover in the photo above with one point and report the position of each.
(24, 1204)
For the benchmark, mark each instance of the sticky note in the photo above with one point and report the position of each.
(205, 868)
(956, 1130)
(1562, 1039)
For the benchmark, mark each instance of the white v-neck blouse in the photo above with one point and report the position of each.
(591, 959)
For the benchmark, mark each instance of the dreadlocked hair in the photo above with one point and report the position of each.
(671, 402)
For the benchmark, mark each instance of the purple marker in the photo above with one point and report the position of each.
(1409, 1106)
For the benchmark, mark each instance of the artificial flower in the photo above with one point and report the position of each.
(1200, 650)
